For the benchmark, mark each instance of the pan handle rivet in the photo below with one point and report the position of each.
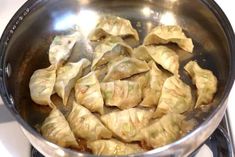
(11, 101)
(8, 69)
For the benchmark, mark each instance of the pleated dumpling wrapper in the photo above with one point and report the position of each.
(88, 93)
(123, 94)
(126, 124)
(176, 97)
(113, 26)
(41, 85)
(152, 91)
(61, 48)
(142, 79)
(101, 72)
(205, 81)
(142, 53)
(162, 55)
(165, 130)
(56, 129)
(111, 48)
(164, 34)
(113, 147)
(86, 125)
(67, 76)
(125, 68)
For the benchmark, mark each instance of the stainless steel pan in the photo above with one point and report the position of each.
(25, 42)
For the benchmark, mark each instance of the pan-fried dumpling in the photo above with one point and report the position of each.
(163, 131)
(152, 92)
(176, 97)
(205, 82)
(124, 68)
(113, 147)
(142, 79)
(60, 48)
(111, 48)
(166, 34)
(86, 125)
(113, 26)
(166, 57)
(101, 72)
(162, 55)
(67, 76)
(56, 129)
(41, 85)
(142, 53)
(126, 124)
(123, 94)
(88, 93)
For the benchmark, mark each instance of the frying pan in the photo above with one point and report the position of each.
(25, 42)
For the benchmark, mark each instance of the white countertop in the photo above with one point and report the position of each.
(12, 141)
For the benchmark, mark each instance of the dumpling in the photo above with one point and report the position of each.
(125, 68)
(41, 85)
(113, 26)
(86, 125)
(152, 92)
(111, 48)
(166, 57)
(166, 34)
(60, 48)
(205, 81)
(123, 94)
(56, 129)
(176, 97)
(100, 72)
(126, 124)
(162, 55)
(163, 131)
(141, 53)
(83, 48)
(142, 79)
(67, 76)
(88, 93)
(113, 147)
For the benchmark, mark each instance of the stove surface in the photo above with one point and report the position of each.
(14, 144)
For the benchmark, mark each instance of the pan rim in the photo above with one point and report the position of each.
(210, 4)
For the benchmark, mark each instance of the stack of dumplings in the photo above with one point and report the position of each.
(130, 100)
